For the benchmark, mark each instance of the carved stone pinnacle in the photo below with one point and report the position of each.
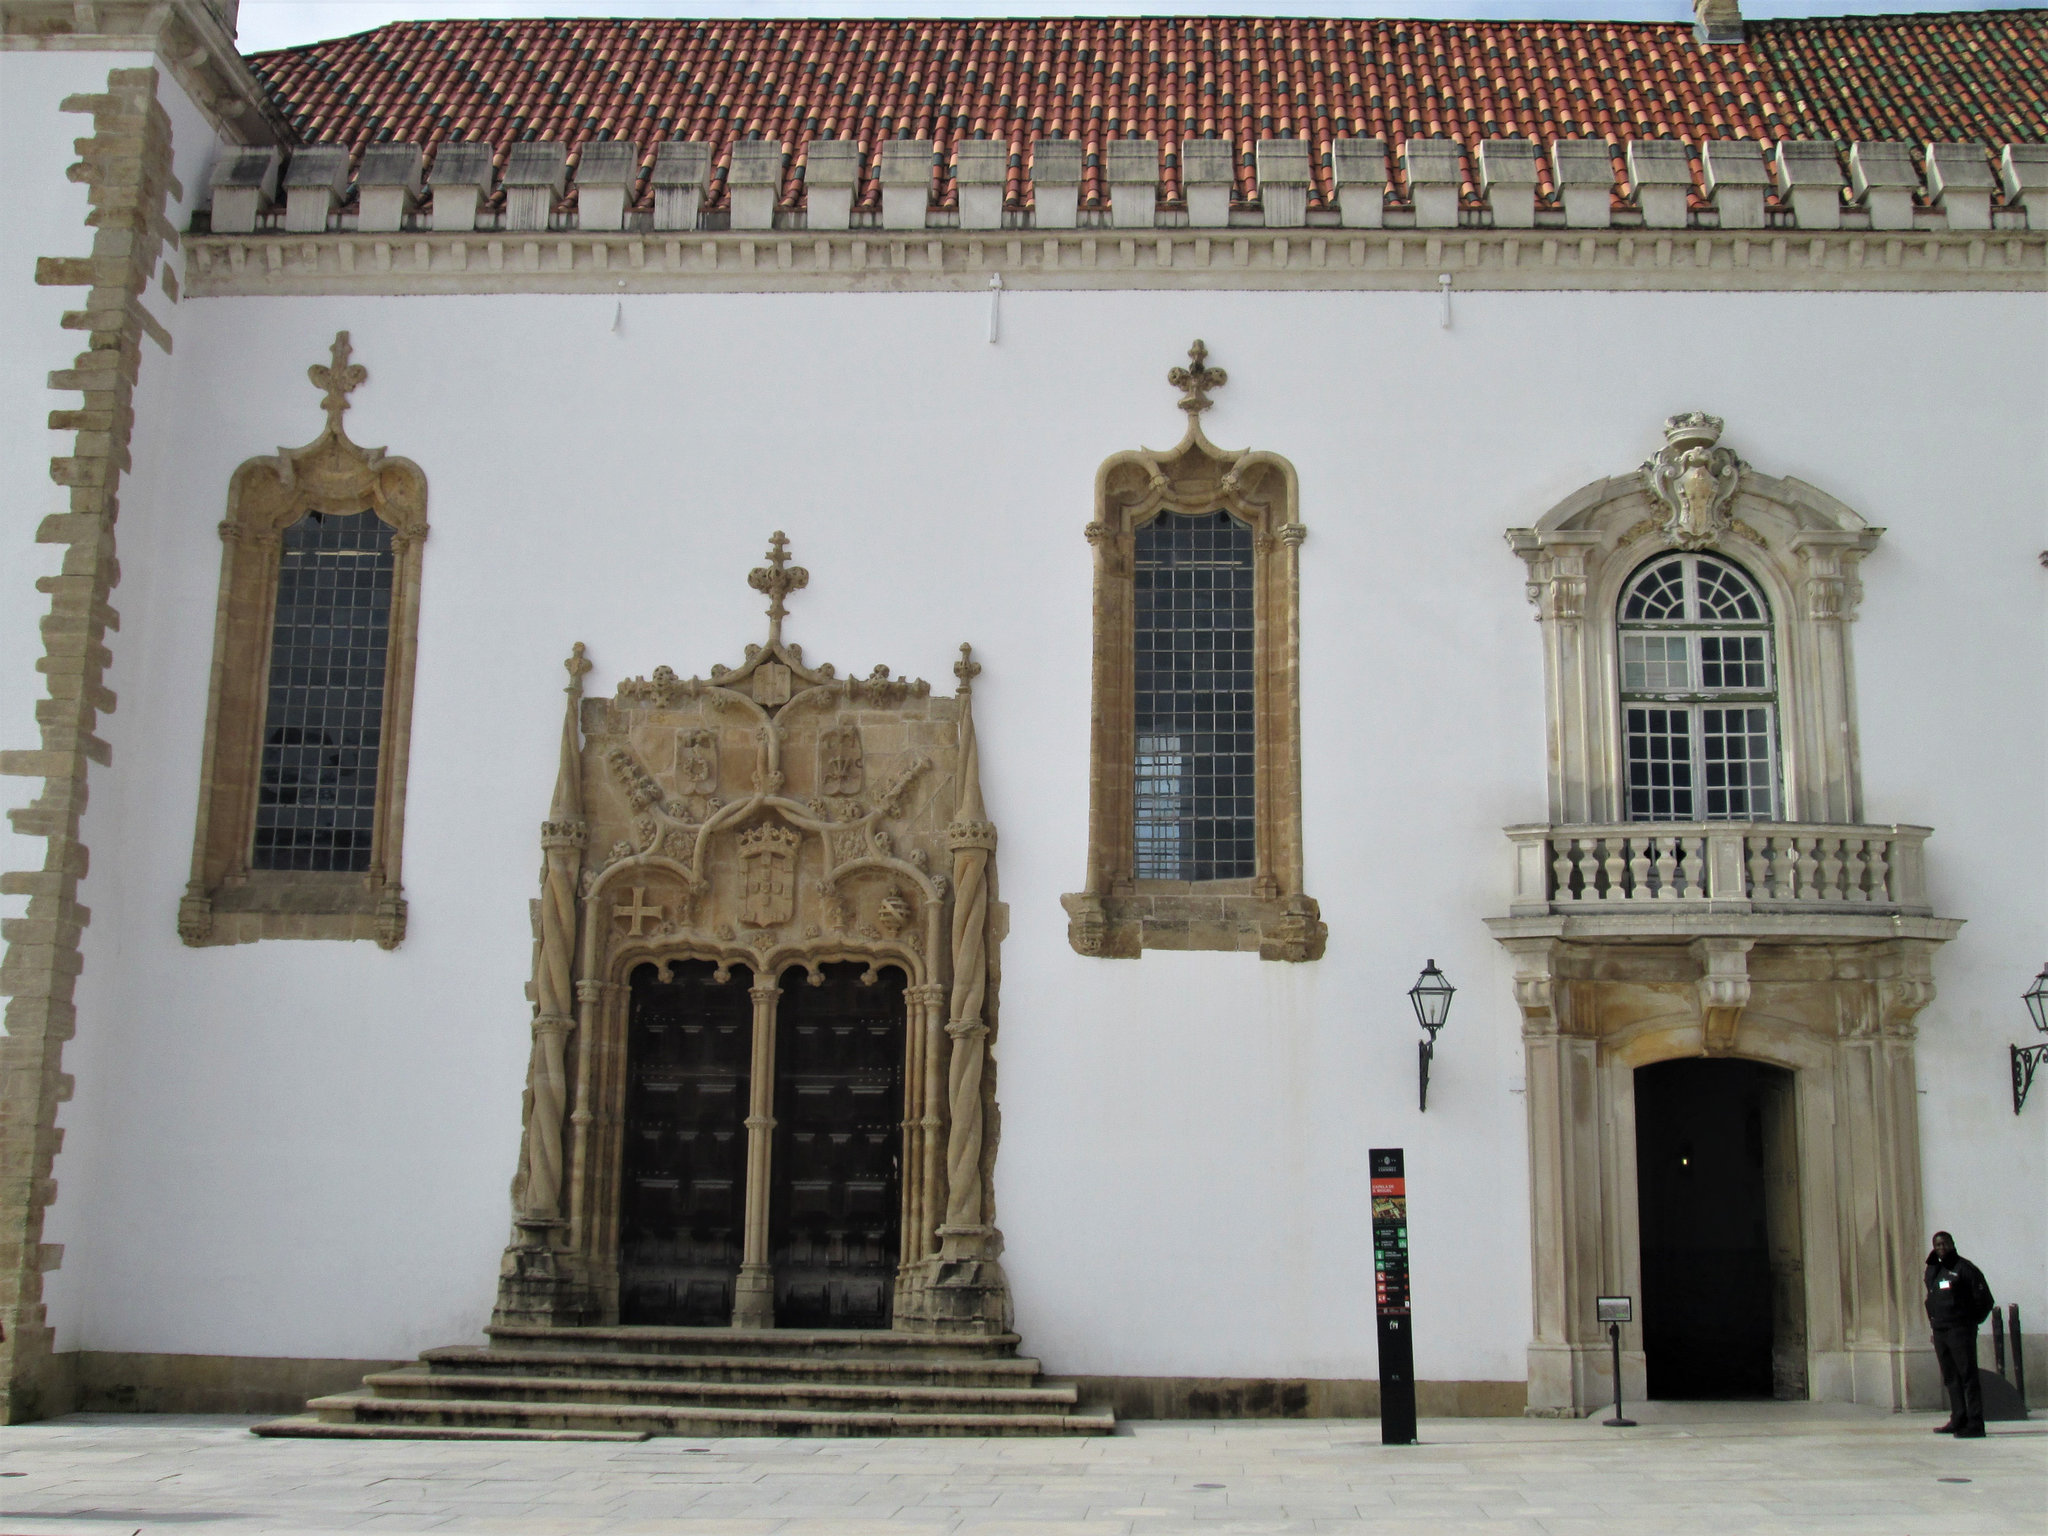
(778, 578)
(339, 378)
(1196, 382)
(577, 666)
(967, 669)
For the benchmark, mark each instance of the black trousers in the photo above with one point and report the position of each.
(1956, 1350)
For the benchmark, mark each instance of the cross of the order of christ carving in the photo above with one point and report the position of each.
(778, 578)
(339, 378)
(637, 912)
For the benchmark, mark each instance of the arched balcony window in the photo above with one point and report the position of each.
(1699, 693)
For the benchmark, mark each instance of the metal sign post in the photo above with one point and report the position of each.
(1390, 1273)
(1614, 1311)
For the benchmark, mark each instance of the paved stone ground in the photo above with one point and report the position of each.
(1705, 1469)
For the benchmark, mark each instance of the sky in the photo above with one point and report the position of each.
(269, 24)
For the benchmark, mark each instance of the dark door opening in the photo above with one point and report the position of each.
(833, 1217)
(1724, 1297)
(684, 1187)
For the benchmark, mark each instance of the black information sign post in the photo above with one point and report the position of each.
(1390, 1270)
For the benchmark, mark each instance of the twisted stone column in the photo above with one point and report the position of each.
(562, 838)
(971, 1292)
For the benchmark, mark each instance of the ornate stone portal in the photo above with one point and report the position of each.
(773, 816)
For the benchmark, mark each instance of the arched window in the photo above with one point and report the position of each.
(1194, 792)
(301, 826)
(1699, 693)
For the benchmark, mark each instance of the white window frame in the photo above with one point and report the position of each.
(1691, 695)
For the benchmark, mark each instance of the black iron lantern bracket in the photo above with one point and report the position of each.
(2027, 1059)
(1431, 996)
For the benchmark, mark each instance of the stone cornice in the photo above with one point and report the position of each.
(195, 44)
(487, 261)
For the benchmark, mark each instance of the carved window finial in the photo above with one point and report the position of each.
(967, 669)
(1196, 382)
(1693, 479)
(339, 378)
(778, 578)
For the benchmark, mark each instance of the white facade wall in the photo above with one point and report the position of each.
(303, 1149)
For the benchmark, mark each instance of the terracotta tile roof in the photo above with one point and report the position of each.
(1979, 76)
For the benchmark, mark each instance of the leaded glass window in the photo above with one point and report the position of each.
(323, 720)
(1698, 693)
(1196, 804)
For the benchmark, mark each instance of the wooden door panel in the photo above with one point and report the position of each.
(833, 1214)
(689, 1041)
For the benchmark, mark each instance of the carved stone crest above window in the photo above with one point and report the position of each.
(1194, 822)
(1799, 545)
(1693, 479)
(309, 718)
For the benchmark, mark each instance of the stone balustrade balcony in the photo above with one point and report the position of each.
(1674, 874)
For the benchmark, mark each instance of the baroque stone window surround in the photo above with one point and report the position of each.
(226, 901)
(1117, 915)
(1799, 544)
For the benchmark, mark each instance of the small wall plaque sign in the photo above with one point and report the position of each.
(1615, 1309)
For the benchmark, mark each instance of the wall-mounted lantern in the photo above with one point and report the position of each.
(1431, 996)
(2027, 1059)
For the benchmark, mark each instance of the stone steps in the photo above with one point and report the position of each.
(500, 1387)
(569, 1383)
(618, 1365)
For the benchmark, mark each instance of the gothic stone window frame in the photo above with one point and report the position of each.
(1799, 545)
(1117, 914)
(228, 901)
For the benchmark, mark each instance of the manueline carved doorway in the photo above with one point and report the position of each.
(762, 1088)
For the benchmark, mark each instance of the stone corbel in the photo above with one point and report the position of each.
(1828, 558)
(1902, 997)
(1723, 990)
(1540, 990)
(1557, 569)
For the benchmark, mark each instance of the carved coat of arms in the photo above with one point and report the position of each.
(1693, 479)
(768, 874)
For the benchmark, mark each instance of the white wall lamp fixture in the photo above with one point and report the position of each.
(2027, 1059)
(1431, 996)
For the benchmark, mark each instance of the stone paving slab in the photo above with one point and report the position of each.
(1688, 1470)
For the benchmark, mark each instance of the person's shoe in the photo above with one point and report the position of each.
(1970, 1432)
(1946, 1429)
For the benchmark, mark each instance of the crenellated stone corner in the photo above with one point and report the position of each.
(126, 165)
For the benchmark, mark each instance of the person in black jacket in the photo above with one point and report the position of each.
(1958, 1300)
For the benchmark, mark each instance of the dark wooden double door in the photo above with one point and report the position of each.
(832, 1234)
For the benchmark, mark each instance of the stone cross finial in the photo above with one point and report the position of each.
(1196, 382)
(967, 669)
(338, 378)
(778, 578)
(577, 667)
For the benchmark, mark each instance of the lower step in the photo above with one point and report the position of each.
(883, 1396)
(350, 1410)
(306, 1427)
